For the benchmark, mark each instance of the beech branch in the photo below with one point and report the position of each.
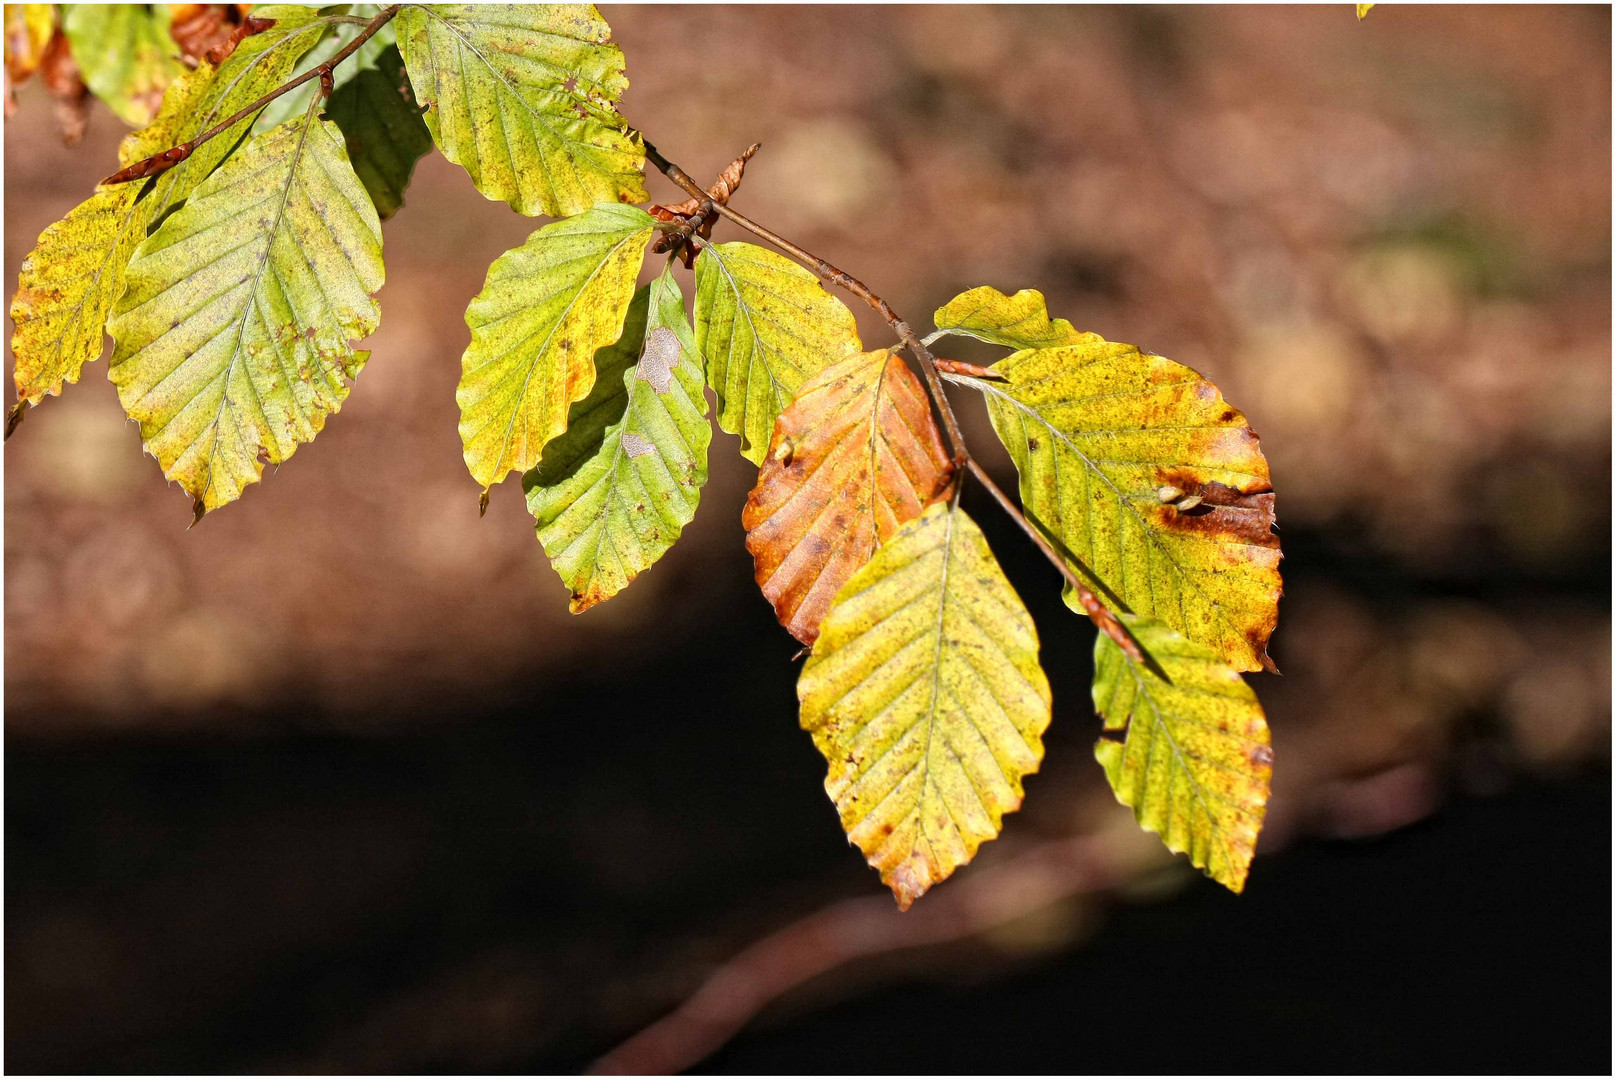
(1096, 610)
(167, 159)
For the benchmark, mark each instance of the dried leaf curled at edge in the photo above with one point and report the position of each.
(233, 337)
(207, 31)
(608, 518)
(1191, 755)
(764, 326)
(1096, 429)
(925, 696)
(544, 310)
(854, 456)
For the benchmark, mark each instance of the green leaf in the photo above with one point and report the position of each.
(765, 326)
(1188, 752)
(69, 282)
(607, 518)
(233, 337)
(925, 696)
(522, 96)
(337, 36)
(124, 55)
(544, 310)
(260, 63)
(386, 135)
(1155, 486)
(1018, 322)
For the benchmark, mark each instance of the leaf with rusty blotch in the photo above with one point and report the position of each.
(262, 62)
(1155, 486)
(124, 54)
(233, 335)
(606, 519)
(1017, 322)
(1188, 752)
(765, 326)
(544, 310)
(523, 97)
(854, 457)
(385, 133)
(69, 282)
(925, 695)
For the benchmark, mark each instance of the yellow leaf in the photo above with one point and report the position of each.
(544, 310)
(764, 326)
(854, 456)
(1019, 322)
(1363, 9)
(1189, 752)
(1155, 486)
(925, 696)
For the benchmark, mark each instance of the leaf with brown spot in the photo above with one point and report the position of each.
(1189, 752)
(1097, 431)
(854, 457)
(925, 696)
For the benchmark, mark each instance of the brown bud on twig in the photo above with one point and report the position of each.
(960, 367)
(150, 166)
(697, 215)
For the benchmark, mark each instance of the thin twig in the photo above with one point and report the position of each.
(1097, 612)
(167, 159)
(854, 930)
(846, 281)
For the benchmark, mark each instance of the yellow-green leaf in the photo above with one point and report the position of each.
(607, 518)
(1155, 486)
(259, 64)
(385, 134)
(233, 336)
(337, 36)
(1189, 752)
(1018, 322)
(764, 326)
(544, 310)
(522, 96)
(124, 54)
(925, 696)
(1363, 9)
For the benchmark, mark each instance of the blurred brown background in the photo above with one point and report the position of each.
(334, 782)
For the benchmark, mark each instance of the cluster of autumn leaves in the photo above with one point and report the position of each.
(235, 283)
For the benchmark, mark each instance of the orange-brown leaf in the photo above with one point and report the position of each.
(854, 457)
(209, 31)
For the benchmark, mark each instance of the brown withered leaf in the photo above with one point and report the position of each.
(854, 456)
(688, 213)
(60, 74)
(209, 31)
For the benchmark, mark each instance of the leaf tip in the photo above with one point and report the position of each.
(482, 503)
(14, 417)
